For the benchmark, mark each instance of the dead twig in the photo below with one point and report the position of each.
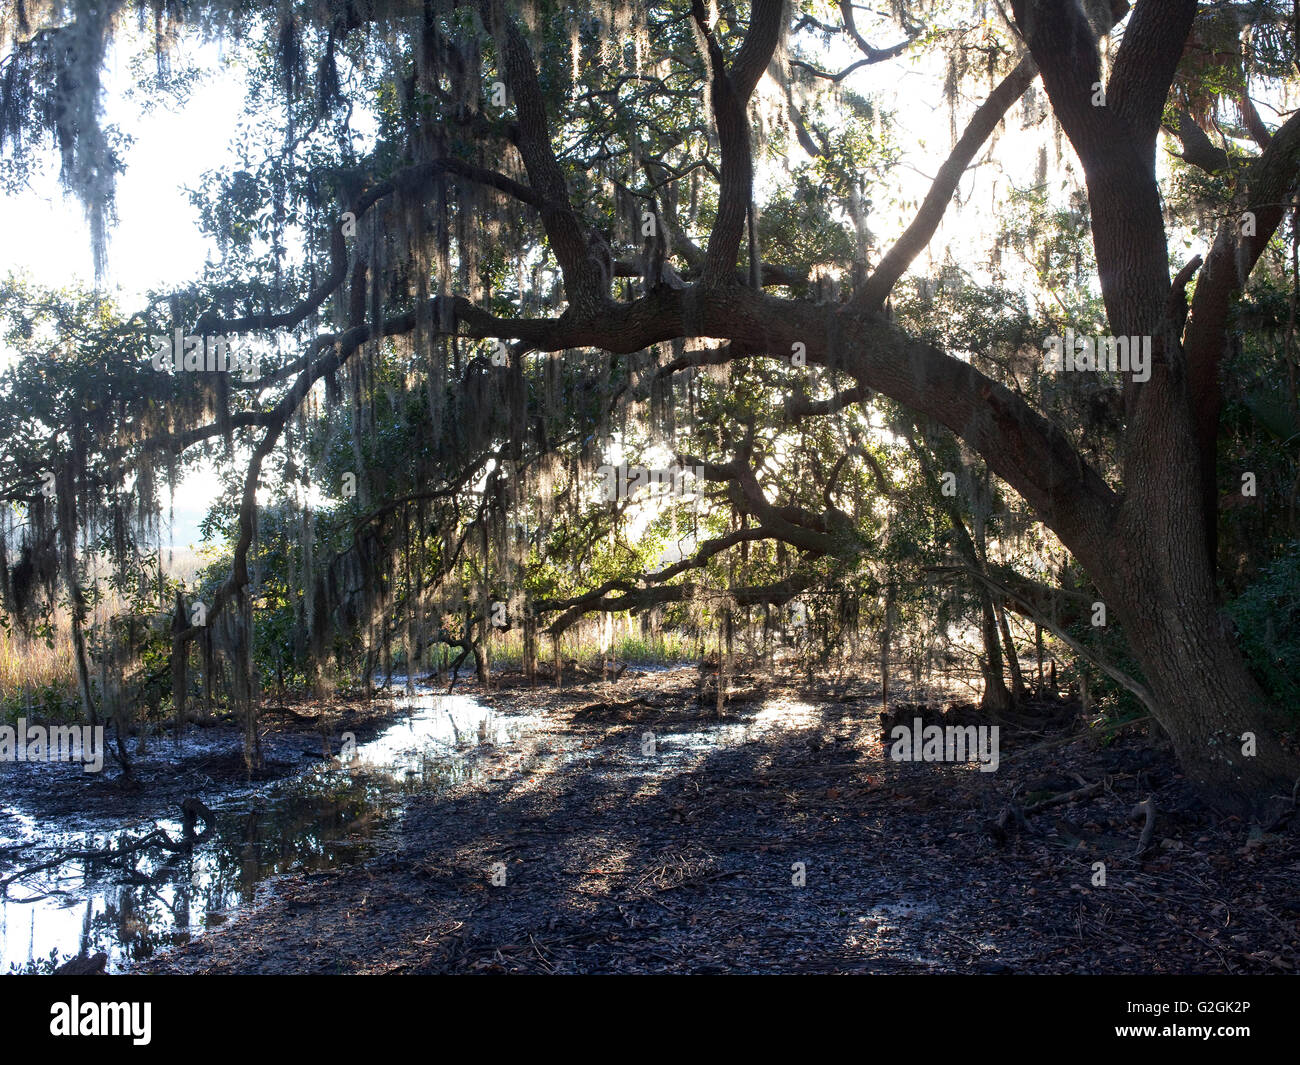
(1065, 741)
(1086, 792)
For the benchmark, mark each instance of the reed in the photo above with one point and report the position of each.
(38, 679)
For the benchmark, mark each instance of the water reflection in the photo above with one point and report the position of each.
(334, 814)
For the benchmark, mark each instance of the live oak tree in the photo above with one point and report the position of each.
(552, 237)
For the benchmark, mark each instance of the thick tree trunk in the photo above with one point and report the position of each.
(83, 669)
(481, 668)
(1212, 709)
(1203, 694)
(1038, 649)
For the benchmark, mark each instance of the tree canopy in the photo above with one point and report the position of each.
(510, 247)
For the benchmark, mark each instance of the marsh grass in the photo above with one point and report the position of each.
(38, 680)
(664, 649)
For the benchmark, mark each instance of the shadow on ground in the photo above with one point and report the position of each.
(687, 859)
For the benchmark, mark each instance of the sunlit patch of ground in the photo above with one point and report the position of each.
(784, 714)
(777, 837)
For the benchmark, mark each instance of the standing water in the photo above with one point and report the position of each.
(332, 815)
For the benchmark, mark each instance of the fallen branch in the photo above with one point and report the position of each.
(603, 707)
(1086, 792)
(288, 711)
(1146, 809)
(1065, 741)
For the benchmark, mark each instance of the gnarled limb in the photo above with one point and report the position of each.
(730, 90)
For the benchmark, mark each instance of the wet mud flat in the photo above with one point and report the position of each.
(780, 839)
(208, 760)
(92, 866)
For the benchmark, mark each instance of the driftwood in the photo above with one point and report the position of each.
(1146, 809)
(1013, 811)
(1085, 792)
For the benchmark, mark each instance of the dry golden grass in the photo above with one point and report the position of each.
(507, 649)
(38, 677)
(30, 669)
(184, 563)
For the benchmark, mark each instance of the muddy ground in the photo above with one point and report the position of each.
(293, 734)
(616, 860)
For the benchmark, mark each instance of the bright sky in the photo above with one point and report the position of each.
(156, 243)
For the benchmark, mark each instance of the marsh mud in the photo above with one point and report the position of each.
(628, 827)
(333, 781)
